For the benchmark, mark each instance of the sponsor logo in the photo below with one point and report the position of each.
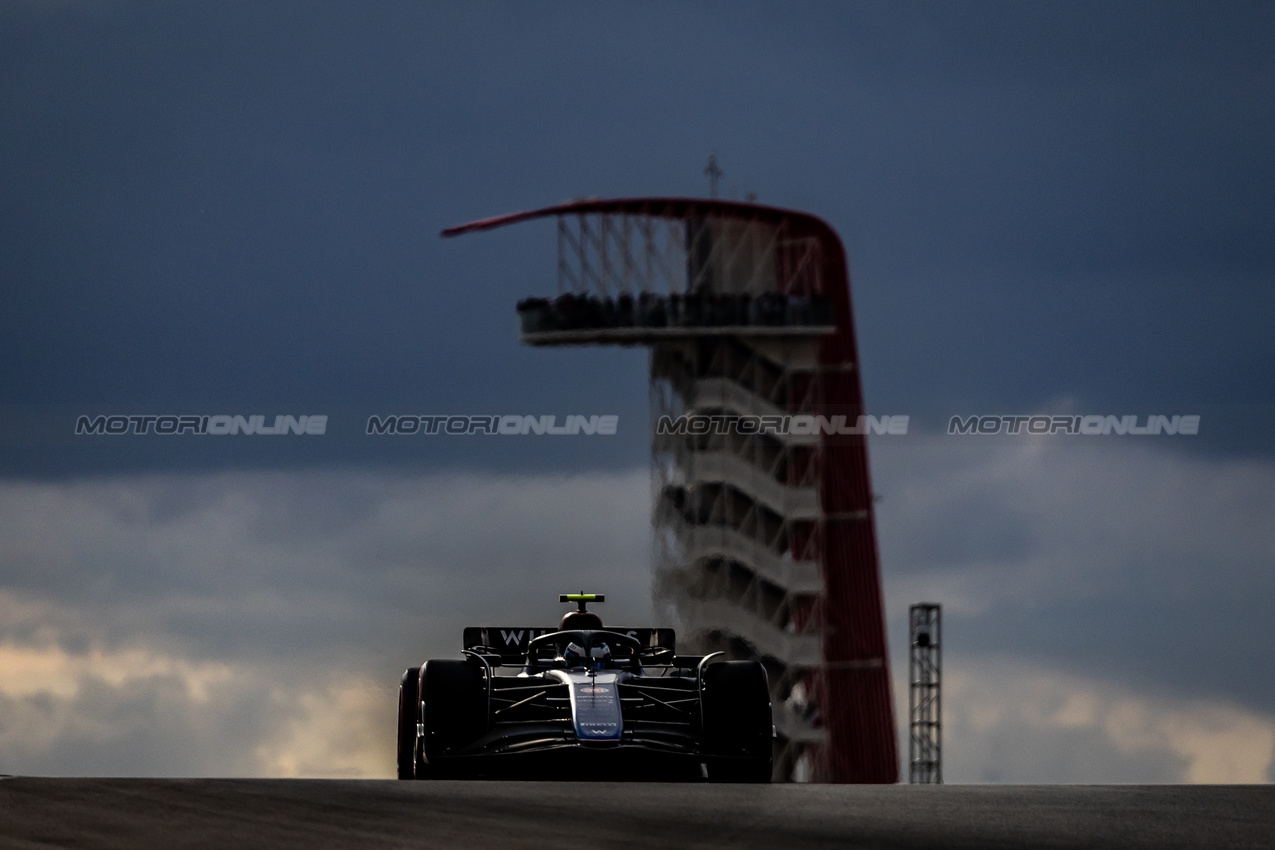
(514, 637)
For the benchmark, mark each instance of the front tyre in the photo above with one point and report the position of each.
(408, 711)
(737, 722)
(454, 698)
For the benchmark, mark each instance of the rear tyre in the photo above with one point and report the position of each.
(454, 697)
(408, 710)
(737, 721)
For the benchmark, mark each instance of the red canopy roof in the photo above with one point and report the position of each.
(678, 208)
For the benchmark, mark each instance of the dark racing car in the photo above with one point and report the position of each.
(584, 701)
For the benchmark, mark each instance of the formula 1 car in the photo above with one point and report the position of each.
(583, 701)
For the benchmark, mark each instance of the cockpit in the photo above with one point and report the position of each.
(583, 650)
(597, 657)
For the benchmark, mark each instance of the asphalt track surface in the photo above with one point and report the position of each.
(43, 812)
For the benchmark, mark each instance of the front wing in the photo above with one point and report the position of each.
(531, 729)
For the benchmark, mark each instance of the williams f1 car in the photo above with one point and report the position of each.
(584, 701)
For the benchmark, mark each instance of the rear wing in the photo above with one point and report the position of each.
(510, 642)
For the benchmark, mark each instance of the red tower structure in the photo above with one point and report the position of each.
(765, 539)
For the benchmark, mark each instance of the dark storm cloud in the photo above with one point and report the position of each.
(1113, 558)
(240, 567)
(240, 203)
(147, 728)
(256, 623)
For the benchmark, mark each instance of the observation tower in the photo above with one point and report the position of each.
(765, 540)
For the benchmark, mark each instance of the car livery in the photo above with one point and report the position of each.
(584, 701)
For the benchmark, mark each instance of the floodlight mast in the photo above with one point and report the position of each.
(765, 541)
(925, 695)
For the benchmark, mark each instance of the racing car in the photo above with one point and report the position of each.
(584, 701)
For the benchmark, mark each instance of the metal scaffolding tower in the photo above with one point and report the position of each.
(925, 695)
(765, 541)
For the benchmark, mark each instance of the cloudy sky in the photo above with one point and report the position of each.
(234, 208)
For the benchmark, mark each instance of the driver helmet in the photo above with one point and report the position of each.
(600, 655)
(573, 655)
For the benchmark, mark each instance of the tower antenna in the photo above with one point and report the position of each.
(714, 174)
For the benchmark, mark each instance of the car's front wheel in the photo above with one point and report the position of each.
(454, 698)
(737, 721)
(408, 710)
